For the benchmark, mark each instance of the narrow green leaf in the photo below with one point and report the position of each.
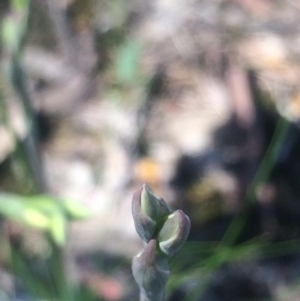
(44, 203)
(35, 218)
(9, 32)
(127, 62)
(11, 206)
(75, 209)
(20, 4)
(57, 228)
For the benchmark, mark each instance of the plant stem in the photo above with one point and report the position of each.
(145, 298)
(15, 74)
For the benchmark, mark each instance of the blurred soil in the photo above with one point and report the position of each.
(183, 95)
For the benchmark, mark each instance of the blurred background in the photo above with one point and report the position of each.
(199, 99)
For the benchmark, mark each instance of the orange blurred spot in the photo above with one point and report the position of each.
(148, 171)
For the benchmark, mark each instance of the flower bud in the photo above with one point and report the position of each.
(151, 272)
(174, 232)
(164, 210)
(147, 211)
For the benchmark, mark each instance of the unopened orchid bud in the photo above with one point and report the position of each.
(174, 232)
(151, 272)
(164, 210)
(148, 211)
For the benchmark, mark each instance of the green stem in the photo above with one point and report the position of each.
(13, 69)
(145, 298)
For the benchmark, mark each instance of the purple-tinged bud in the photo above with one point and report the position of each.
(164, 210)
(151, 272)
(147, 211)
(174, 232)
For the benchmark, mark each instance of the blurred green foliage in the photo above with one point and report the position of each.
(42, 212)
(14, 26)
(49, 215)
(127, 63)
